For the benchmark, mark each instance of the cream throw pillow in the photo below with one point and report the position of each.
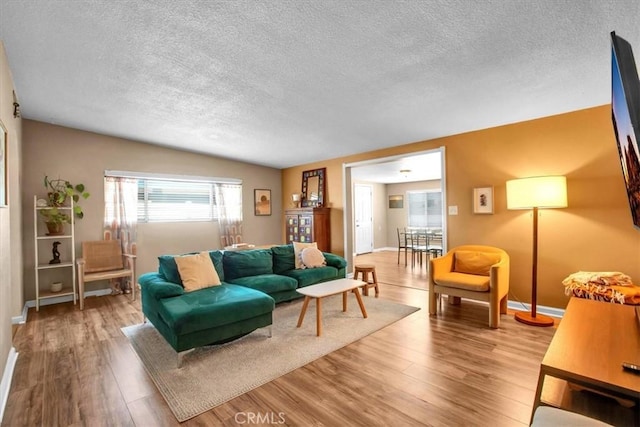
(472, 262)
(197, 271)
(297, 252)
(312, 258)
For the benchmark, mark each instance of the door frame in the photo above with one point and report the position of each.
(347, 202)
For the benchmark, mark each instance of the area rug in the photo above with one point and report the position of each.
(212, 375)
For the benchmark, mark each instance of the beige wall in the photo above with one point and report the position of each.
(594, 233)
(80, 156)
(10, 233)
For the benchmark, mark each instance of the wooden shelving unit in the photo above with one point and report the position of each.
(67, 260)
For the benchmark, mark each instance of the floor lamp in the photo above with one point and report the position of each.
(534, 193)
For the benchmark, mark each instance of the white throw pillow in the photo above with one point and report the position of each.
(312, 258)
(297, 250)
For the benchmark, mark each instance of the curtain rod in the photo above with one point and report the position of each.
(172, 177)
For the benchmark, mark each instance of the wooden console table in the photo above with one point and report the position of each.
(592, 341)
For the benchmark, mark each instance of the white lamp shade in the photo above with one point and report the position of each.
(539, 191)
(295, 197)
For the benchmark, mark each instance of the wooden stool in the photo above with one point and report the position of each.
(365, 269)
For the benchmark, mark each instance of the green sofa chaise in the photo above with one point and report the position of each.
(253, 281)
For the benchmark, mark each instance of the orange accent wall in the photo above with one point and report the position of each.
(595, 233)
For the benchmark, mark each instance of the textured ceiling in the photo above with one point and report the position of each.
(283, 83)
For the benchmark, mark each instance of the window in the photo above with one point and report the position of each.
(172, 199)
(425, 208)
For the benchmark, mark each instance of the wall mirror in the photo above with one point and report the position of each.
(313, 187)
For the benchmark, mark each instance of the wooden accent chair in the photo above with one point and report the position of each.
(104, 260)
(471, 271)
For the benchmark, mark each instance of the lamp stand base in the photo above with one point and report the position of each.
(527, 318)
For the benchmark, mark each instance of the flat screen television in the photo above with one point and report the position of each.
(625, 109)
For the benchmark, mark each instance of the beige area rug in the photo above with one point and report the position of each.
(213, 375)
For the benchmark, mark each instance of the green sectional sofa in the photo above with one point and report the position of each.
(253, 281)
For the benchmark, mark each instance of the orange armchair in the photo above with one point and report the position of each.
(474, 272)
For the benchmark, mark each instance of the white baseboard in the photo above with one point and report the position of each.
(549, 311)
(56, 300)
(7, 376)
(18, 320)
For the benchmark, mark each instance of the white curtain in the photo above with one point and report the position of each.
(120, 220)
(229, 212)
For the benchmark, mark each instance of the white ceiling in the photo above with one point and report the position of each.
(282, 83)
(416, 167)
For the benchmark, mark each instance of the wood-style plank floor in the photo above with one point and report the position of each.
(77, 368)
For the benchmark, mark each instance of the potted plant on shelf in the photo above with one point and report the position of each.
(58, 191)
(55, 220)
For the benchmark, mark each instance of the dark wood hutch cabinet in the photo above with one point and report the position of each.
(309, 225)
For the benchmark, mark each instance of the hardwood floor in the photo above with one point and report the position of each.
(77, 368)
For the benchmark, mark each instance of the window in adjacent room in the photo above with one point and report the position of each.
(425, 208)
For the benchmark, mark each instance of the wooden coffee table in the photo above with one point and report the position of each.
(325, 289)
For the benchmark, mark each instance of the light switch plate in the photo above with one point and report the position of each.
(453, 210)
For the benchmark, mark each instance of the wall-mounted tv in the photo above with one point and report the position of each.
(625, 109)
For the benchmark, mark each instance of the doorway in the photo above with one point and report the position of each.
(363, 213)
(382, 172)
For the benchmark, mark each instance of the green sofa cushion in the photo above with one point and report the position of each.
(216, 257)
(335, 260)
(283, 258)
(310, 276)
(169, 269)
(268, 283)
(157, 287)
(213, 307)
(247, 263)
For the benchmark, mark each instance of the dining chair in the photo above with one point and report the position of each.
(402, 244)
(434, 243)
(418, 245)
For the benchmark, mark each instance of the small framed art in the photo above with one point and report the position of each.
(483, 200)
(396, 202)
(262, 202)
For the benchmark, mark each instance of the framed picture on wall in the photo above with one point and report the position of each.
(4, 176)
(396, 202)
(262, 202)
(483, 200)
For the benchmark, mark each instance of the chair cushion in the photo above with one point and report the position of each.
(471, 282)
(197, 271)
(474, 262)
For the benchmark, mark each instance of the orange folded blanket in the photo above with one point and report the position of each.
(613, 287)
